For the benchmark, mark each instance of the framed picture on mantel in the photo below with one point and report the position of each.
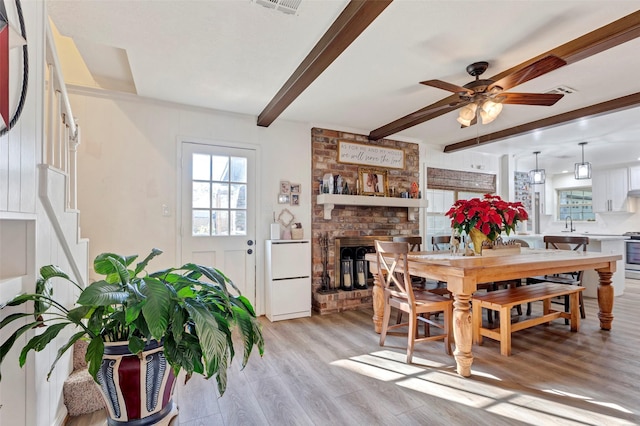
(373, 182)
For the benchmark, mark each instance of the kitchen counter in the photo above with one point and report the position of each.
(603, 243)
(592, 237)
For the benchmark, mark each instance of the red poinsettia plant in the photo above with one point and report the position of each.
(490, 215)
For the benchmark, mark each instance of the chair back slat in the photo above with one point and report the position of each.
(393, 270)
(441, 242)
(564, 242)
(415, 243)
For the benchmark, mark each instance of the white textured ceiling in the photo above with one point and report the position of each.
(234, 55)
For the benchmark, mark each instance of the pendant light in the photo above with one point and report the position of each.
(582, 170)
(536, 176)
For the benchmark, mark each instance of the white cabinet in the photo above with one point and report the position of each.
(288, 279)
(610, 189)
(634, 178)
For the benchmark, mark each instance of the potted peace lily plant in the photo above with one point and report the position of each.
(485, 219)
(141, 325)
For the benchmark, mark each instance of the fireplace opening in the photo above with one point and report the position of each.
(354, 269)
(351, 269)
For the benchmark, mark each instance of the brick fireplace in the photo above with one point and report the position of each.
(355, 226)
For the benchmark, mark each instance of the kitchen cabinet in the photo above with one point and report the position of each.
(634, 178)
(288, 279)
(609, 188)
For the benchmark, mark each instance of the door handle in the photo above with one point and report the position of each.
(249, 251)
(250, 243)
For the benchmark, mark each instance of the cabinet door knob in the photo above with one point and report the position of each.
(249, 251)
(250, 242)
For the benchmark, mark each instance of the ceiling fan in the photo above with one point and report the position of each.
(484, 97)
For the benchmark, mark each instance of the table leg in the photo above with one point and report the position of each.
(463, 333)
(605, 300)
(378, 303)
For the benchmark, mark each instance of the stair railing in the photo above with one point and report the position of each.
(62, 135)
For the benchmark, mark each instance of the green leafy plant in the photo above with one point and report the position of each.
(189, 309)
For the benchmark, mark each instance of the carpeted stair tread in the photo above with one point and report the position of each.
(81, 393)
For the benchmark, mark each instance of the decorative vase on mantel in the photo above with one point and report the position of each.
(477, 237)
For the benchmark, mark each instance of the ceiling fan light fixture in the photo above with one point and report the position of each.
(537, 176)
(490, 111)
(467, 114)
(582, 170)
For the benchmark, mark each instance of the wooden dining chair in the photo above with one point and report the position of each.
(415, 242)
(440, 242)
(393, 275)
(418, 283)
(563, 242)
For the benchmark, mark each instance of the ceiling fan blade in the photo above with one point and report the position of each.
(447, 86)
(543, 99)
(536, 69)
(443, 106)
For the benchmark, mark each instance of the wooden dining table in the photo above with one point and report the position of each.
(463, 274)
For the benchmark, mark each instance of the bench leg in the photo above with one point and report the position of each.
(505, 331)
(476, 320)
(546, 308)
(575, 311)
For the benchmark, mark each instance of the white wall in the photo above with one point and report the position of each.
(128, 170)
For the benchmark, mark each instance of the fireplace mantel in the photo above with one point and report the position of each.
(331, 200)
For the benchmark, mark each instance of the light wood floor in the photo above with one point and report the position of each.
(330, 370)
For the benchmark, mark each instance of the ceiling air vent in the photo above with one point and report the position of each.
(289, 7)
(562, 90)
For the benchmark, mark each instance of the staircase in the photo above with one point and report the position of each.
(81, 393)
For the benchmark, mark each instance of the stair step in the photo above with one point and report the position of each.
(81, 393)
(79, 353)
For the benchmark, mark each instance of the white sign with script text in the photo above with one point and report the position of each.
(370, 155)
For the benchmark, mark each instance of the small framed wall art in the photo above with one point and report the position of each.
(284, 198)
(373, 182)
(285, 187)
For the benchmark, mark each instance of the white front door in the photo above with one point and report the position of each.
(218, 205)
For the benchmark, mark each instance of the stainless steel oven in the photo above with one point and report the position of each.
(633, 255)
(632, 265)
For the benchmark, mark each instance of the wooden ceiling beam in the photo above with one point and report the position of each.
(597, 41)
(607, 107)
(353, 20)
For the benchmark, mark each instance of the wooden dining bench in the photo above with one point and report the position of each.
(503, 300)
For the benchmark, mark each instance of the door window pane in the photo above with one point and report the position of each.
(238, 222)
(220, 222)
(238, 196)
(201, 167)
(220, 196)
(220, 168)
(200, 195)
(200, 222)
(238, 169)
